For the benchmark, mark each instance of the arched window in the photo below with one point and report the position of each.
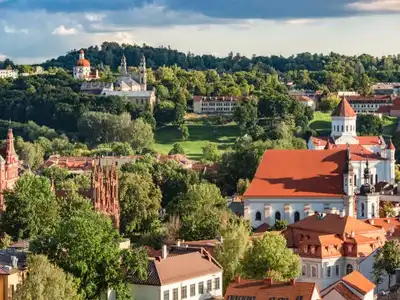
(347, 128)
(313, 271)
(277, 216)
(362, 209)
(296, 216)
(342, 128)
(258, 216)
(376, 178)
(355, 179)
(373, 210)
(349, 268)
(304, 270)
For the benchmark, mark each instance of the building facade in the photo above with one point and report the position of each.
(4, 73)
(368, 104)
(9, 168)
(215, 104)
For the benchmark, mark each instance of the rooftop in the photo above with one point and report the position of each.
(357, 281)
(299, 173)
(344, 109)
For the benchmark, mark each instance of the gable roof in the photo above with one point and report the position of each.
(261, 291)
(357, 281)
(344, 109)
(344, 291)
(178, 267)
(299, 173)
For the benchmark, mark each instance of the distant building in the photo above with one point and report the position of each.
(133, 87)
(347, 93)
(386, 88)
(4, 73)
(82, 69)
(268, 289)
(314, 95)
(307, 101)
(368, 104)
(179, 273)
(215, 104)
(96, 87)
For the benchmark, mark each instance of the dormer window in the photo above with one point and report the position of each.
(305, 249)
(350, 248)
(312, 249)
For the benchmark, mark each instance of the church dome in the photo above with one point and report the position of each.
(82, 61)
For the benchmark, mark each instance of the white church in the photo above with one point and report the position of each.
(294, 184)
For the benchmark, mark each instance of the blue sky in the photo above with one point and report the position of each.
(35, 30)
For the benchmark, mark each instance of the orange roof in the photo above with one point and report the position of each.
(83, 63)
(357, 281)
(385, 223)
(263, 291)
(320, 140)
(333, 224)
(298, 173)
(343, 290)
(344, 109)
(302, 98)
(391, 146)
(373, 98)
(369, 140)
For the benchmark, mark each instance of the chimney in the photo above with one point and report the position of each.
(388, 221)
(178, 243)
(237, 279)
(293, 281)
(164, 252)
(267, 281)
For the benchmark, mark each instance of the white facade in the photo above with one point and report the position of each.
(368, 206)
(8, 74)
(214, 105)
(326, 271)
(344, 127)
(204, 287)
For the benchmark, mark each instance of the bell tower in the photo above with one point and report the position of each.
(143, 74)
(123, 67)
(367, 200)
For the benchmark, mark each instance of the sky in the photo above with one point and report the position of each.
(32, 31)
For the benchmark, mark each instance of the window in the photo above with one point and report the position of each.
(216, 283)
(342, 128)
(201, 288)
(175, 294)
(371, 179)
(313, 271)
(166, 295)
(192, 290)
(296, 216)
(277, 216)
(373, 210)
(376, 178)
(303, 270)
(312, 249)
(328, 271)
(209, 285)
(362, 209)
(347, 128)
(349, 268)
(184, 292)
(258, 216)
(337, 270)
(355, 179)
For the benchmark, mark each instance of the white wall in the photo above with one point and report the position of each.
(147, 292)
(278, 204)
(343, 125)
(333, 295)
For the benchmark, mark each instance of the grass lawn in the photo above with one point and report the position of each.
(389, 125)
(199, 134)
(321, 123)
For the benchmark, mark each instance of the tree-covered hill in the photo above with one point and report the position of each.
(297, 68)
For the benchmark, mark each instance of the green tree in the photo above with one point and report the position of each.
(31, 154)
(107, 75)
(246, 114)
(368, 124)
(90, 252)
(329, 103)
(46, 281)
(5, 241)
(31, 208)
(143, 136)
(165, 112)
(388, 210)
(211, 152)
(184, 130)
(242, 185)
(140, 201)
(387, 260)
(176, 149)
(280, 225)
(235, 238)
(268, 256)
(200, 210)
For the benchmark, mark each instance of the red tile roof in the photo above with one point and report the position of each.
(216, 98)
(343, 290)
(391, 146)
(383, 109)
(344, 109)
(373, 98)
(320, 140)
(298, 173)
(358, 152)
(357, 281)
(263, 291)
(369, 140)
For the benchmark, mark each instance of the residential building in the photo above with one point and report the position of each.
(347, 93)
(6, 73)
(368, 104)
(352, 286)
(268, 289)
(96, 87)
(83, 70)
(331, 246)
(372, 148)
(215, 104)
(133, 87)
(307, 101)
(314, 95)
(179, 273)
(386, 88)
(9, 167)
(13, 271)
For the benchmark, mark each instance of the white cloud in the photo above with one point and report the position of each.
(2, 57)
(10, 29)
(299, 21)
(94, 17)
(62, 30)
(376, 5)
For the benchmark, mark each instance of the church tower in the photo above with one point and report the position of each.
(348, 185)
(123, 67)
(344, 124)
(143, 74)
(367, 199)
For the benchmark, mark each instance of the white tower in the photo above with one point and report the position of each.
(348, 185)
(143, 74)
(389, 154)
(82, 67)
(344, 124)
(123, 67)
(367, 200)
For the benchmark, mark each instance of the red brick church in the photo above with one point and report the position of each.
(9, 167)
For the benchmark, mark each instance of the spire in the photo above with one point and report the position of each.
(124, 68)
(367, 173)
(10, 151)
(344, 109)
(390, 146)
(81, 54)
(143, 74)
